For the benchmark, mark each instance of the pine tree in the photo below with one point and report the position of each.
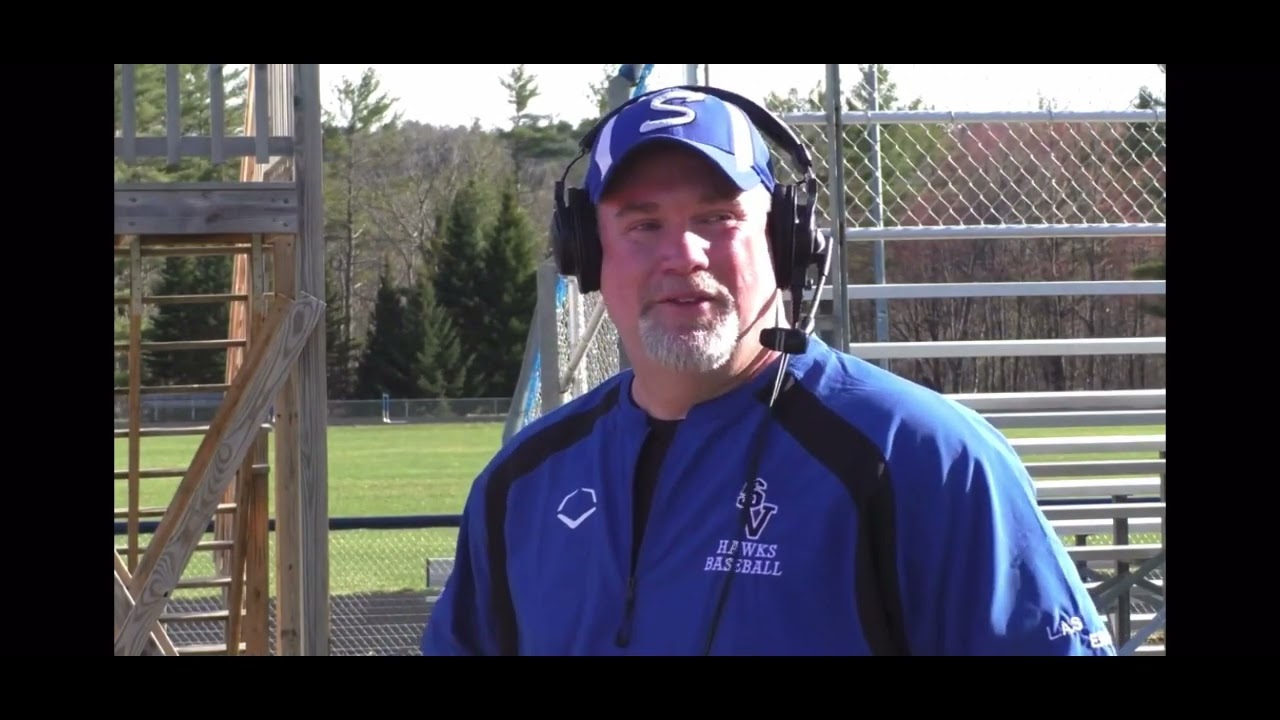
(442, 369)
(509, 287)
(386, 365)
(461, 265)
(189, 321)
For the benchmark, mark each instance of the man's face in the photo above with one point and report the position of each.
(686, 263)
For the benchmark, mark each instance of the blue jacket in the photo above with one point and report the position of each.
(884, 519)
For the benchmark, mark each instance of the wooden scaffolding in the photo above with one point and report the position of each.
(271, 222)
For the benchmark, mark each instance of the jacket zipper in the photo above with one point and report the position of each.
(623, 638)
(640, 521)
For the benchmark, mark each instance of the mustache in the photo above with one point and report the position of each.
(703, 284)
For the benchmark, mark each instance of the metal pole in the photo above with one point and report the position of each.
(877, 205)
(691, 75)
(836, 206)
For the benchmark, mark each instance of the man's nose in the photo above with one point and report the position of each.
(685, 251)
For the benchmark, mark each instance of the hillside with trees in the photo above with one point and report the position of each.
(433, 236)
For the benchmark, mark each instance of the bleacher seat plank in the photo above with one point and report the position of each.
(1087, 444)
(1113, 553)
(1104, 511)
(1086, 488)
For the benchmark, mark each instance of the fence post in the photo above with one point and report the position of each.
(1164, 571)
(548, 339)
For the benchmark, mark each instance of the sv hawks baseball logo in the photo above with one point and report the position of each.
(760, 512)
(749, 557)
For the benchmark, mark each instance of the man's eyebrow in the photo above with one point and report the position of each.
(636, 208)
(712, 197)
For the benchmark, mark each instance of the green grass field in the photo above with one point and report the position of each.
(406, 470)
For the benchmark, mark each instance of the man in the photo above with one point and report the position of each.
(675, 510)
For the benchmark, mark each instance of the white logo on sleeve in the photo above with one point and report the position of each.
(576, 507)
(1064, 627)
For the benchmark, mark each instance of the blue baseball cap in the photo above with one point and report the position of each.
(719, 130)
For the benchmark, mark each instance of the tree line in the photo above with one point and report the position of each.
(433, 235)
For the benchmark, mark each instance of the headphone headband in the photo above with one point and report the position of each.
(795, 244)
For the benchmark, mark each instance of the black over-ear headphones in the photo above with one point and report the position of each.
(794, 239)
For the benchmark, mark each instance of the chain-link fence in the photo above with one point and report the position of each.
(1086, 186)
(951, 169)
(199, 408)
(379, 594)
(383, 581)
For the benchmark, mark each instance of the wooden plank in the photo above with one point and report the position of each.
(194, 299)
(158, 642)
(211, 238)
(287, 490)
(312, 391)
(233, 527)
(172, 431)
(171, 389)
(261, 106)
(234, 598)
(190, 251)
(135, 395)
(231, 434)
(213, 186)
(204, 649)
(127, 143)
(217, 115)
(202, 146)
(150, 473)
(207, 545)
(280, 82)
(185, 345)
(253, 524)
(257, 558)
(172, 114)
(159, 511)
(247, 208)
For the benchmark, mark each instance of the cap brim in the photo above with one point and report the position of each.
(744, 178)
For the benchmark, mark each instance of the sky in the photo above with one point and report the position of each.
(459, 94)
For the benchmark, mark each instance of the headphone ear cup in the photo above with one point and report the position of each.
(808, 245)
(586, 237)
(782, 227)
(563, 243)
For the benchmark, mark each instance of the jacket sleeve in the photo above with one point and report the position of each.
(462, 622)
(983, 571)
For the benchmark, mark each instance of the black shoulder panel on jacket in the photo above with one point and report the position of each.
(522, 461)
(853, 458)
